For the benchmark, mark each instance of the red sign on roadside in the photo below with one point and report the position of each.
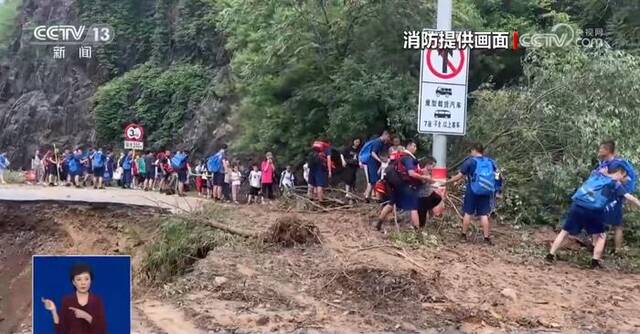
(134, 132)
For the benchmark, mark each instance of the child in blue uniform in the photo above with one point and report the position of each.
(480, 172)
(588, 209)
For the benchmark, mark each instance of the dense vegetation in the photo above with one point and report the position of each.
(158, 98)
(335, 68)
(8, 13)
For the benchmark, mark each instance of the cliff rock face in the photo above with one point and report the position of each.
(43, 101)
(46, 101)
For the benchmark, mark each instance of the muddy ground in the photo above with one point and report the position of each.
(354, 280)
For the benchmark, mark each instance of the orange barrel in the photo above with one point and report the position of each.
(439, 174)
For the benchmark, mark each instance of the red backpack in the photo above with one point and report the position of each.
(319, 156)
(396, 174)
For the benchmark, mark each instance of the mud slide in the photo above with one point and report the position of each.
(347, 279)
(64, 228)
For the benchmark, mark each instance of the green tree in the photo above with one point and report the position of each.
(156, 98)
(545, 133)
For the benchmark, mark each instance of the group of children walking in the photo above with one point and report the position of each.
(219, 179)
(395, 177)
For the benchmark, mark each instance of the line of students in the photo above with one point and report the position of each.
(598, 203)
(397, 177)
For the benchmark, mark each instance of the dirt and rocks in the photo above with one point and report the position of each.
(348, 279)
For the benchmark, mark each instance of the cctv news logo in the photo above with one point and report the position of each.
(69, 34)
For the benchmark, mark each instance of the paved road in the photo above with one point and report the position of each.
(110, 195)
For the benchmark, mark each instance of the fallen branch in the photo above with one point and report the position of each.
(229, 229)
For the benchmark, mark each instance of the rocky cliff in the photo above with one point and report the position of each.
(46, 101)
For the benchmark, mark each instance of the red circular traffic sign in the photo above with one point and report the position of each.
(133, 132)
(449, 65)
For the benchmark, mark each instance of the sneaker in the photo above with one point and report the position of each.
(596, 264)
(550, 258)
(463, 237)
(488, 241)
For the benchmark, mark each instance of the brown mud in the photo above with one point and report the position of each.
(349, 279)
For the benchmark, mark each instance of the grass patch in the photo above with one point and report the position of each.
(14, 177)
(409, 238)
(181, 242)
(628, 263)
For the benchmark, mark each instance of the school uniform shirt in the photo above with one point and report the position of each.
(475, 205)
(255, 179)
(4, 162)
(405, 197)
(376, 146)
(593, 221)
(372, 165)
(74, 163)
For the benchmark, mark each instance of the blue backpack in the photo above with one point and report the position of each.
(630, 185)
(179, 161)
(98, 160)
(4, 163)
(483, 181)
(593, 193)
(214, 163)
(365, 152)
(126, 163)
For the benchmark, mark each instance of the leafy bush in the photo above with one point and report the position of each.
(545, 133)
(15, 177)
(156, 98)
(182, 241)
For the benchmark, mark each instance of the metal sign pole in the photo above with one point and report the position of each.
(443, 20)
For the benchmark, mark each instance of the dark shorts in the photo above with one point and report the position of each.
(348, 176)
(319, 177)
(372, 171)
(51, 169)
(431, 201)
(98, 171)
(476, 205)
(580, 218)
(75, 173)
(182, 176)
(613, 216)
(218, 179)
(150, 175)
(405, 198)
(426, 205)
(254, 191)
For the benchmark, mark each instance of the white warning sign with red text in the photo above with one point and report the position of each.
(443, 91)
